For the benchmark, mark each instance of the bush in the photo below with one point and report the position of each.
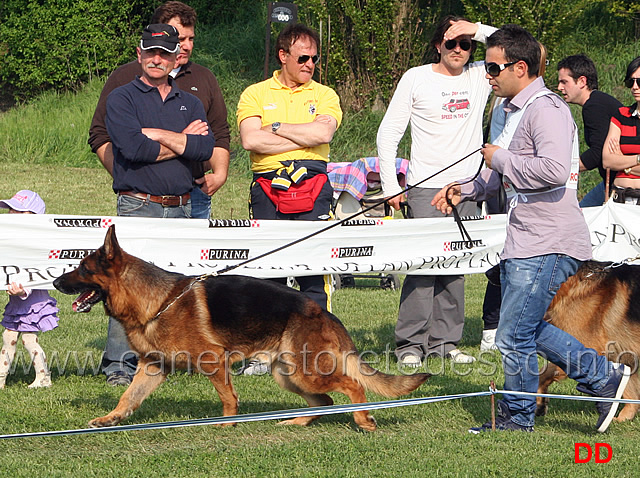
(367, 45)
(63, 43)
(212, 12)
(547, 20)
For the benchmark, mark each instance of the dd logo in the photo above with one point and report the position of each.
(598, 456)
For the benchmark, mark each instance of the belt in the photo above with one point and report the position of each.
(166, 201)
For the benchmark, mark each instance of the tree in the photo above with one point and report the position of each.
(62, 43)
(366, 45)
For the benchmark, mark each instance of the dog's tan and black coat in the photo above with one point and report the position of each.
(600, 306)
(220, 320)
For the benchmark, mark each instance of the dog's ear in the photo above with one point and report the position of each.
(111, 246)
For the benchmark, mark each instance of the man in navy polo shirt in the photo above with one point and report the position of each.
(190, 77)
(157, 131)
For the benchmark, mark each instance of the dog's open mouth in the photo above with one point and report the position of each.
(85, 301)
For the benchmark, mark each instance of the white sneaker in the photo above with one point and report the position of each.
(458, 356)
(255, 367)
(488, 340)
(43, 381)
(411, 361)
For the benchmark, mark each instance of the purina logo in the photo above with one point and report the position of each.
(70, 253)
(462, 245)
(363, 222)
(224, 254)
(340, 252)
(82, 222)
(233, 223)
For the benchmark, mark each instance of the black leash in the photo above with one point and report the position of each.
(324, 229)
(337, 223)
(456, 215)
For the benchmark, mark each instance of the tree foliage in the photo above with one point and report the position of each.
(367, 45)
(61, 43)
(547, 20)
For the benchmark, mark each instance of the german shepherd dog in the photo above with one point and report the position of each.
(208, 323)
(598, 307)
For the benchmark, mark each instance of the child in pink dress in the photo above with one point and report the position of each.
(28, 311)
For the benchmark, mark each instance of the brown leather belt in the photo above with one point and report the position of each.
(167, 201)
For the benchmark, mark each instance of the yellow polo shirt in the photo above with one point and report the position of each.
(272, 101)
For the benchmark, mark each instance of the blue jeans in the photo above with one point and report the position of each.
(200, 204)
(133, 207)
(528, 286)
(118, 356)
(595, 197)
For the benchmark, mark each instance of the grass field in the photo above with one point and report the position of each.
(421, 440)
(43, 147)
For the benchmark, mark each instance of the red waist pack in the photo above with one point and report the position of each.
(298, 198)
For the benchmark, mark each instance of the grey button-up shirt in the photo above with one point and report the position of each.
(539, 156)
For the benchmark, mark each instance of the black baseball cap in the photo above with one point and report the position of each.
(160, 35)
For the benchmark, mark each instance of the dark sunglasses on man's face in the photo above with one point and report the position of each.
(464, 44)
(630, 81)
(494, 69)
(302, 59)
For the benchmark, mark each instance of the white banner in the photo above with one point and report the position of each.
(35, 249)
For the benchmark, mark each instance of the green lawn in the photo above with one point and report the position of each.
(423, 440)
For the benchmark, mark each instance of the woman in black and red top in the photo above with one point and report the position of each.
(622, 146)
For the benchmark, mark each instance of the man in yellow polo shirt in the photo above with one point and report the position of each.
(287, 122)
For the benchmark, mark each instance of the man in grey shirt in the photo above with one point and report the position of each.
(547, 237)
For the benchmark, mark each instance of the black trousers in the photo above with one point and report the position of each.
(317, 288)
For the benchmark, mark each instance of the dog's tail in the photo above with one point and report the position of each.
(389, 386)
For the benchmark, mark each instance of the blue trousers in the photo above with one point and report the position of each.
(118, 356)
(200, 204)
(595, 197)
(528, 286)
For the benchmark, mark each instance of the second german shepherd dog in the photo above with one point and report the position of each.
(178, 321)
(599, 306)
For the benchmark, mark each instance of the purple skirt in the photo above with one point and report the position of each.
(37, 313)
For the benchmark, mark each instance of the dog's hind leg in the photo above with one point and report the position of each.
(147, 378)
(355, 392)
(552, 373)
(632, 392)
(313, 399)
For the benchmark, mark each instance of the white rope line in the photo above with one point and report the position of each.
(303, 412)
(254, 417)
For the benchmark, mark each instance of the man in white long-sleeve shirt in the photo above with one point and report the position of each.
(444, 102)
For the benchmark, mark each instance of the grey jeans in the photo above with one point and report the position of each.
(431, 315)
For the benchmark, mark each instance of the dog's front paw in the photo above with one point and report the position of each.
(542, 406)
(107, 421)
(369, 424)
(222, 425)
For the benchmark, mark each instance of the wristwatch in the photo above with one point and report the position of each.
(275, 127)
(628, 170)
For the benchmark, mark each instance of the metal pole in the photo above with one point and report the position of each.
(267, 41)
(493, 406)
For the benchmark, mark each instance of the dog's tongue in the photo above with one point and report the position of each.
(80, 304)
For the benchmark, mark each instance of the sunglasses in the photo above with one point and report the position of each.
(494, 69)
(302, 59)
(464, 44)
(630, 81)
